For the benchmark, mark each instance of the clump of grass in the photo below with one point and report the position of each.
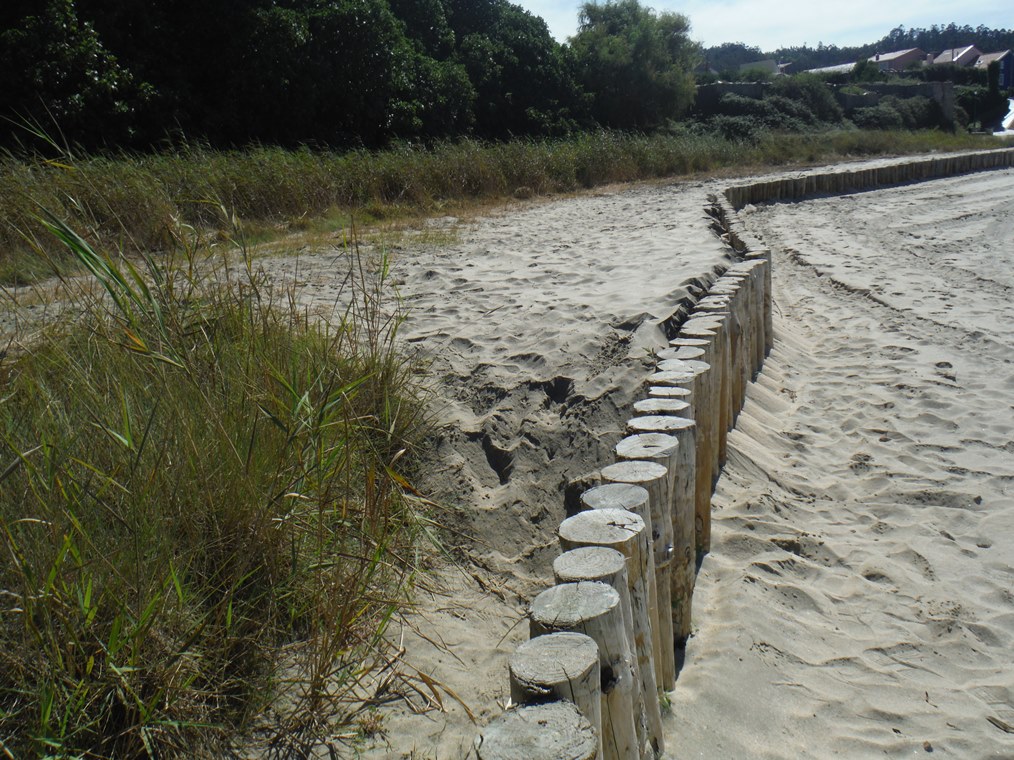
(195, 477)
(272, 188)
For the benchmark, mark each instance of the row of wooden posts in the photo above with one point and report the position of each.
(797, 187)
(604, 640)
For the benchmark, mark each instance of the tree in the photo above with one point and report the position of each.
(521, 76)
(866, 70)
(55, 72)
(729, 56)
(636, 64)
(993, 79)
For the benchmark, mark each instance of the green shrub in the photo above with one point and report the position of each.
(881, 117)
(813, 94)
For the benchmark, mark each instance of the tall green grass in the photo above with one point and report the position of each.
(149, 195)
(197, 483)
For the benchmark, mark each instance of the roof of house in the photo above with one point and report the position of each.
(841, 67)
(987, 58)
(897, 54)
(956, 54)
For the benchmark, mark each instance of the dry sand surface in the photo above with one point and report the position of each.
(859, 597)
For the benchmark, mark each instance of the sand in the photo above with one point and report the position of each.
(859, 597)
(537, 325)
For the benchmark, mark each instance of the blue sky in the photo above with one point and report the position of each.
(770, 24)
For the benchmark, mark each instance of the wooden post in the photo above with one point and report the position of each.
(679, 453)
(682, 353)
(755, 269)
(617, 495)
(671, 406)
(721, 353)
(636, 499)
(625, 532)
(559, 666)
(554, 731)
(707, 457)
(594, 563)
(655, 423)
(737, 287)
(655, 447)
(671, 391)
(736, 324)
(594, 610)
(694, 342)
(706, 393)
(603, 565)
(655, 478)
(680, 379)
(769, 333)
(699, 349)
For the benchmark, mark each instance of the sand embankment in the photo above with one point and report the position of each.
(538, 325)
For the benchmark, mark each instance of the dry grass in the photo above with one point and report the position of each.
(196, 483)
(275, 191)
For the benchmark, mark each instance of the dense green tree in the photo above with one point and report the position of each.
(520, 73)
(426, 24)
(55, 73)
(636, 64)
(363, 72)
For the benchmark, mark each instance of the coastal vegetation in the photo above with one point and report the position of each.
(206, 507)
(138, 199)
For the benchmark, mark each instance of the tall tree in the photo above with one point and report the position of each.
(636, 63)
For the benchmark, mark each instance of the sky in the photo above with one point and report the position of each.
(772, 24)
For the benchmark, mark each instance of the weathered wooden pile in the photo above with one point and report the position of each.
(606, 638)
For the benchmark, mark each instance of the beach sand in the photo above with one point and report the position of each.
(859, 597)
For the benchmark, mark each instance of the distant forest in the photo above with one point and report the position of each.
(936, 39)
(110, 74)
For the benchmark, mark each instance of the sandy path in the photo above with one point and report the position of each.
(859, 598)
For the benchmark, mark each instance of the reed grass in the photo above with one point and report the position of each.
(272, 189)
(197, 481)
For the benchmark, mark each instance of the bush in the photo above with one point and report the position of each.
(813, 94)
(737, 129)
(881, 117)
(917, 112)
